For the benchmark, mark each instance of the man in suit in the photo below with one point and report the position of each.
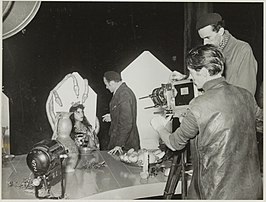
(123, 131)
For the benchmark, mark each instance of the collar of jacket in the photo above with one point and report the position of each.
(117, 88)
(212, 83)
(225, 40)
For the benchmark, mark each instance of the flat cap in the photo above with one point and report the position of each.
(208, 19)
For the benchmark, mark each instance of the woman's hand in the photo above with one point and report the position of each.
(106, 118)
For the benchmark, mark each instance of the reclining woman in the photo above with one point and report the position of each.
(66, 115)
(82, 132)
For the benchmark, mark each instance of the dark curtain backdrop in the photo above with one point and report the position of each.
(191, 13)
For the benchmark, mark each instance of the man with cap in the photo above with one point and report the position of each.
(240, 64)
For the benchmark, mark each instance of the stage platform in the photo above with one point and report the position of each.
(115, 180)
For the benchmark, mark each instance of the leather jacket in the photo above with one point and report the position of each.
(224, 153)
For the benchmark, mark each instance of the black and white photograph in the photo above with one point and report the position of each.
(132, 100)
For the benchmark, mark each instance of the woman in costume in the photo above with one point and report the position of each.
(82, 132)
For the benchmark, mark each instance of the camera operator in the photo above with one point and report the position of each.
(221, 127)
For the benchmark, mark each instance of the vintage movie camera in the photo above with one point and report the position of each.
(45, 160)
(172, 96)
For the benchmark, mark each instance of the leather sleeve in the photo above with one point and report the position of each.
(187, 130)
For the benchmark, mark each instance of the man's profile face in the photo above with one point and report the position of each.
(108, 85)
(198, 77)
(209, 36)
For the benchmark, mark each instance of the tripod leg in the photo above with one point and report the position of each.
(184, 180)
(63, 180)
(173, 178)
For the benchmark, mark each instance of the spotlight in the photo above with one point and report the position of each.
(45, 161)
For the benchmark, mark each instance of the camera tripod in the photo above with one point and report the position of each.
(177, 170)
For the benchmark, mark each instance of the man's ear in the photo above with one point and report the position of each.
(221, 31)
(111, 82)
(204, 72)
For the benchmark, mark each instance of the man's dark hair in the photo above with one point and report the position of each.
(112, 76)
(207, 56)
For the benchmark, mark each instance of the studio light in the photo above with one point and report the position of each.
(45, 160)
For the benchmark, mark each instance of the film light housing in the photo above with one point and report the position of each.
(45, 162)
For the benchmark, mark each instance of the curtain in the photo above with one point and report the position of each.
(191, 13)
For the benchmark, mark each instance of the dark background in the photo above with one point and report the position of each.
(91, 38)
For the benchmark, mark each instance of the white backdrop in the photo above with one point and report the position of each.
(143, 75)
